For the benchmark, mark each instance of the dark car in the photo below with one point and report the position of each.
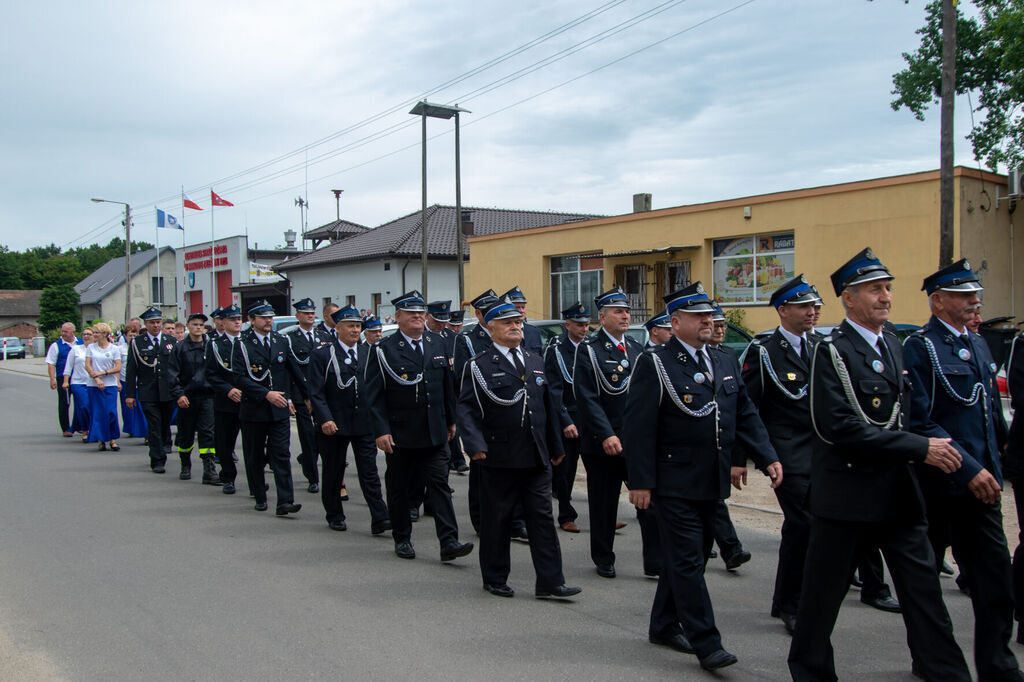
(12, 345)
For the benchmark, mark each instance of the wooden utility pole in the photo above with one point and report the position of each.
(946, 133)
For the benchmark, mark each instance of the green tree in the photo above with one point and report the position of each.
(57, 305)
(989, 64)
(10, 271)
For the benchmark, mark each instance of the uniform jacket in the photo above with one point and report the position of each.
(559, 359)
(532, 340)
(219, 374)
(510, 437)
(860, 471)
(337, 388)
(774, 386)
(416, 416)
(1014, 463)
(979, 430)
(258, 371)
(468, 344)
(600, 412)
(186, 369)
(147, 368)
(302, 348)
(685, 455)
(324, 332)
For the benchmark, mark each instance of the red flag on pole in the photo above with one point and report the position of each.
(188, 203)
(217, 201)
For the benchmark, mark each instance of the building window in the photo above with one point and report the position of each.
(575, 278)
(387, 265)
(748, 269)
(156, 290)
(677, 276)
(351, 300)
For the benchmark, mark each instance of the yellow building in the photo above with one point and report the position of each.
(742, 249)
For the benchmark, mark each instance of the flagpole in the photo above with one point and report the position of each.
(182, 308)
(156, 231)
(213, 256)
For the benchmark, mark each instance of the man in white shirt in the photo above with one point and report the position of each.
(56, 358)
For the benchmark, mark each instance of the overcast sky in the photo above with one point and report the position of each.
(130, 101)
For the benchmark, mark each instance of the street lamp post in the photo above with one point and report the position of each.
(127, 254)
(446, 112)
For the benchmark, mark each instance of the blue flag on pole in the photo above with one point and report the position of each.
(167, 220)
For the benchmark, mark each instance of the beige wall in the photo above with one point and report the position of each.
(897, 217)
(112, 306)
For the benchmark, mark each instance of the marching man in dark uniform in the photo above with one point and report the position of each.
(558, 366)
(186, 374)
(601, 375)
(685, 412)
(411, 400)
(455, 321)
(338, 396)
(148, 355)
(438, 314)
(531, 335)
(372, 331)
(776, 371)
(303, 341)
(507, 416)
(955, 396)
(659, 329)
(863, 490)
(1015, 470)
(468, 344)
(226, 398)
(270, 378)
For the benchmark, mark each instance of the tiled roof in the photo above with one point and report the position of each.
(19, 302)
(336, 229)
(110, 275)
(402, 237)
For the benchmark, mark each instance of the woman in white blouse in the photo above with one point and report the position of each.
(77, 381)
(103, 363)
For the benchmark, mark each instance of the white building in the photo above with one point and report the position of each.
(101, 294)
(372, 266)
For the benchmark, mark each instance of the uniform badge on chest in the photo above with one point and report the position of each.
(964, 354)
(878, 366)
(699, 377)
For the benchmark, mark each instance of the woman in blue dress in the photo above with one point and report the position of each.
(77, 380)
(103, 363)
(132, 418)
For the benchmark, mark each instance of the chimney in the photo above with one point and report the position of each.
(641, 203)
(289, 239)
(467, 223)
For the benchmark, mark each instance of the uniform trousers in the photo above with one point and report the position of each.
(63, 403)
(796, 532)
(456, 458)
(975, 530)
(225, 434)
(158, 425)
(605, 476)
(503, 493)
(333, 456)
(406, 465)
(1018, 554)
(832, 551)
(682, 599)
(263, 442)
(563, 477)
(725, 533)
(197, 418)
(308, 449)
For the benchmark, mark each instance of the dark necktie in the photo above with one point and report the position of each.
(970, 348)
(309, 337)
(804, 355)
(266, 342)
(416, 347)
(514, 352)
(352, 356)
(702, 363)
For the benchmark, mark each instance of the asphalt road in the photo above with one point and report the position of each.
(108, 571)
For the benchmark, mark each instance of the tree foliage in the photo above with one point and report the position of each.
(989, 65)
(57, 305)
(43, 266)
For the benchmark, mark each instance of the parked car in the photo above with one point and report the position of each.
(14, 347)
(735, 338)
(903, 330)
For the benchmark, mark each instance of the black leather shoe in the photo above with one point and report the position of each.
(652, 572)
(455, 550)
(713, 554)
(261, 506)
(916, 671)
(462, 468)
(414, 515)
(717, 659)
(737, 559)
(856, 582)
(502, 590)
(677, 641)
(344, 494)
(378, 527)
(158, 469)
(404, 550)
(884, 604)
(606, 570)
(789, 620)
(313, 488)
(337, 525)
(560, 592)
(186, 473)
(1020, 633)
(228, 488)
(946, 569)
(519, 533)
(285, 509)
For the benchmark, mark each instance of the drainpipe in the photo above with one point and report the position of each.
(403, 276)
